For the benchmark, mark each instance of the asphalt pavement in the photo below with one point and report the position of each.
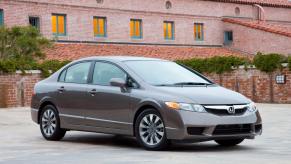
(21, 143)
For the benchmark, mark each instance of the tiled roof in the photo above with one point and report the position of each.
(270, 3)
(71, 51)
(277, 29)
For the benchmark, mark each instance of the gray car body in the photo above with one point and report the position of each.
(114, 110)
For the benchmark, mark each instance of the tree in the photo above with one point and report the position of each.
(22, 44)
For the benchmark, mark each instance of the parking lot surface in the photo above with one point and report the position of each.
(21, 143)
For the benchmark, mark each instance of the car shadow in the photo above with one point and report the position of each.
(131, 142)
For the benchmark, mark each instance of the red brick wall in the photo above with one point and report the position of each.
(17, 88)
(252, 83)
(256, 85)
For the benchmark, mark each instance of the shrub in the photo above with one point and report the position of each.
(269, 62)
(289, 62)
(7, 66)
(217, 64)
(47, 67)
(50, 66)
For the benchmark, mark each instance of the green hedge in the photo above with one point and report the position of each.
(289, 62)
(51, 65)
(217, 64)
(269, 62)
(47, 67)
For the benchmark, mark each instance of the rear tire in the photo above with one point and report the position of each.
(50, 124)
(229, 142)
(150, 130)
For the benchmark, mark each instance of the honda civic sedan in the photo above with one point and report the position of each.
(155, 100)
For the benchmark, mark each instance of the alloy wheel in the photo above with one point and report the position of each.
(151, 129)
(49, 122)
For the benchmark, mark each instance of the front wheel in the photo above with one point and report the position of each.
(50, 124)
(150, 130)
(229, 142)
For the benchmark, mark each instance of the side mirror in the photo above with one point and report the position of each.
(118, 82)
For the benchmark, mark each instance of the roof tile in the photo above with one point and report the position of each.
(264, 26)
(72, 51)
(270, 3)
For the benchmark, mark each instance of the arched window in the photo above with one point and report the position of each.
(237, 11)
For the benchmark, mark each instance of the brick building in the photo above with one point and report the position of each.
(159, 28)
(171, 29)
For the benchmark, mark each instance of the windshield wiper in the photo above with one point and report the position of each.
(192, 83)
(184, 83)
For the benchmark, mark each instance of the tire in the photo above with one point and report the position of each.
(229, 142)
(50, 124)
(150, 130)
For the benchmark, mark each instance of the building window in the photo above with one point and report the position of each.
(198, 31)
(228, 37)
(136, 28)
(99, 25)
(237, 11)
(34, 22)
(168, 5)
(59, 24)
(1, 17)
(169, 31)
(99, 1)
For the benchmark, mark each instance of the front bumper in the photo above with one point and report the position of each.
(186, 125)
(34, 115)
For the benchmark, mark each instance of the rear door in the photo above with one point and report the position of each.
(72, 92)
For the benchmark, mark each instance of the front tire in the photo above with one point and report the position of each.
(150, 130)
(229, 142)
(50, 124)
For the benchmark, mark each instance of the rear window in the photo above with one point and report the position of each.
(77, 73)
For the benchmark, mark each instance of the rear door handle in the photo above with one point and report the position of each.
(61, 89)
(93, 92)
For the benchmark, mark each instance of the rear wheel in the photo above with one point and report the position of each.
(50, 124)
(150, 130)
(229, 142)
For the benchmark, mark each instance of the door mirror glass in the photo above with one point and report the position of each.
(118, 82)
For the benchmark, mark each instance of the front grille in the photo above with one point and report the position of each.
(224, 112)
(195, 130)
(233, 129)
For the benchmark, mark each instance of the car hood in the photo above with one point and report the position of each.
(209, 95)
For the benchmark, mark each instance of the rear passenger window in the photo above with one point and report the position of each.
(104, 72)
(78, 73)
(62, 77)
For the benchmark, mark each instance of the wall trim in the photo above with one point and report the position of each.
(132, 43)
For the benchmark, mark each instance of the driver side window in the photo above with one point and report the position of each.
(104, 72)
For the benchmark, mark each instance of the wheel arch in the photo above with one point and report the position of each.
(42, 105)
(145, 105)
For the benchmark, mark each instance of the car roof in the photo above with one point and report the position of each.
(121, 58)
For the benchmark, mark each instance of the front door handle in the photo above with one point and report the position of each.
(61, 89)
(93, 92)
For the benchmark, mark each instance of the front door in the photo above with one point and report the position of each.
(108, 106)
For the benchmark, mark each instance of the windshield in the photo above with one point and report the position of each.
(165, 73)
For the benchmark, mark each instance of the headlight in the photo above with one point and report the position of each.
(252, 107)
(185, 106)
